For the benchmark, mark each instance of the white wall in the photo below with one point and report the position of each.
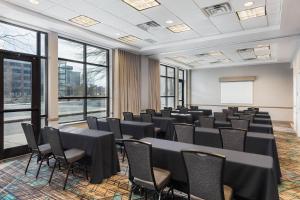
(296, 92)
(273, 88)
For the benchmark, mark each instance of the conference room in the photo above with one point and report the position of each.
(149, 99)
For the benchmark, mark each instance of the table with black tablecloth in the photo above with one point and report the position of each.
(258, 143)
(99, 146)
(182, 118)
(195, 114)
(252, 176)
(135, 128)
(253, 127)
(256, 120)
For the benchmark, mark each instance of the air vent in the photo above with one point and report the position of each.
(216, 10)
(149, 26)
(247, 54)
(150, 41)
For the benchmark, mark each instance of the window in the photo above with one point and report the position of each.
(181, 87)
(167, 86)
(83, 81)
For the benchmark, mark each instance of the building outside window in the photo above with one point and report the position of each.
(167, 86)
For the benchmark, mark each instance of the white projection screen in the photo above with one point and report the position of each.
(237, 92)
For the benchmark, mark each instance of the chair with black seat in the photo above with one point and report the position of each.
(150, 111)
(194, 107)
(220, 116)
(205, 176)
(68, 157)
(207, 122)
(165, 113)
(128, 116)
(233, 139)
(248, 117)
(240, 124)
(43, 152)
(115, 127)
(184, 133)
(92, 122)
(141, 171)
(148, 118)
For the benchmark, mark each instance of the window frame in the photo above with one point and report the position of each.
(181, 81)
(167, 77)
(85, 97)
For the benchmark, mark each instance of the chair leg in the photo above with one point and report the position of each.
(52, 172)
(123, 156)
(38, 171)
(48, 161)
(130, 193)
(69, 167)
(86, 172)
(28, 162)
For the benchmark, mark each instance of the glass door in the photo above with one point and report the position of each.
(19, 101)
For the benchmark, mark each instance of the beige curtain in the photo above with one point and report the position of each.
(154, 84)
(127, 83)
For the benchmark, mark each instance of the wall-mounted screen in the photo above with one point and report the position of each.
(237, 92)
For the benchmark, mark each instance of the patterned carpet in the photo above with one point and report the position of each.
(15, 185)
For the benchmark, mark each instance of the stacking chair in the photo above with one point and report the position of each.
(180, 107)
(194, 107)
(184, 133)
(165, 113)
(240, 124)
(42, 151)
(150, 111)
(115, 127)
(128, 116)
(205, 176)
(184, 110)
(92, 122)
(248, 117)
(220, 116)
(142, 173)
(207, 122)
(233, 139)
(148, 118)
(68, 157)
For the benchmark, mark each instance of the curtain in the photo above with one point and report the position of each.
(127, 83)
(154, 84)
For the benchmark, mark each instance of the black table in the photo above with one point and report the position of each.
(182, 118)
(258, 143)
(99, 146)
(135, 128)
(256, 120)
(251, 175)
(195, 114)
(261, 128)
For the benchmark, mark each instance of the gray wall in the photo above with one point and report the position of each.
(272, 88)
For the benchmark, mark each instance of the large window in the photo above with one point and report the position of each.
(181, 87)
(83, 81)
(167, 86)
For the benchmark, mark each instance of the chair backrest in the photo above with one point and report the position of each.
(115, 127)
(250, 112)
(248, 117)
(128, 116)
(233, 139)
(168, 108)
(29, 134)
(240, 124)
(220, 116)
(205, 175)
(179, 107)
(194, 107)
(184, 110)
(165, 113)
(207, 122)
(228, 112)
(139, 156)
(184, 133)
(92, 122)
(145, 117)
(150, 111)
(54, 139)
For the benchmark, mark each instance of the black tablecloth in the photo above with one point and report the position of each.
(256, 120)
(195, 114)
(262, 128)
(182, 118)
(206, 112)
(99, 146)
(252, 176)
(258, 143)
(137, 129)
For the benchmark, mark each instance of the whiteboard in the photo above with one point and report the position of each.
(237, 92)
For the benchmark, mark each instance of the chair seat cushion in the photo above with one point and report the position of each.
(73, 155)
(45, 149)
(227, 194)
(162, 177)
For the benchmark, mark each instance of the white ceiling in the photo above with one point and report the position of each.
(225, 33)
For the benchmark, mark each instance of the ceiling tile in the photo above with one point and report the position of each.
(227, 23)
(238, 5)
(257, 22)
(43, 4)
(206, 3)
(160, 15)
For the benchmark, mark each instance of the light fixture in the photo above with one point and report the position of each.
(249, 3)
(118, 34)
(142, 4)
(216, 53)
(179, 28)
(264, 57)
(35, 2)
(262, 50)
(251, 13)
(169, 22)
(84, 21)
(129, 39)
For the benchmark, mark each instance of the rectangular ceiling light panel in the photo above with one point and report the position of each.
(252, 13)
(130, 39)
(84, 21)
(142, 4)
(179, 28)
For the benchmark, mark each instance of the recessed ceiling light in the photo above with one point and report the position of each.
(35, 2)
(264, 57)
(118, 34)
(251, 13)
(249, 3)
(142, 4)
(215, 53)
(129, 39)
(169, 22)
(179, 28)
(84, 21)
